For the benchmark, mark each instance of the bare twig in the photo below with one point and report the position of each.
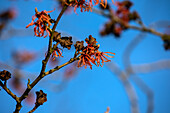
(33, 109)
(9, 91)
(58, 67)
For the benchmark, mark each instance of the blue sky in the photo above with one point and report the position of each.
(91, 91)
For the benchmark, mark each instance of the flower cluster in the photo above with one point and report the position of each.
(90, 53)
(85, 5)
(65, 42)
(41, 25)
(124, 14)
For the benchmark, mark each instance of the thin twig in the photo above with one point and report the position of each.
(9, 91)
(34, 108)
(59, 67)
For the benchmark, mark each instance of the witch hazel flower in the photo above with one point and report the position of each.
(42, 24)
(82, 4)
(100, 57)
(85, 5)
(90, 54)
(56, 53)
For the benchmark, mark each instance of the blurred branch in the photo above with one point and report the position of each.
(130, 70)
(128, 87)
(150, 67)
(128, 51)
(14, 70)
(116, 19)
(13, 32)
(149, 93)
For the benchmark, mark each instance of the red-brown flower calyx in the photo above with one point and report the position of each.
(56, 36)
(79, 45)
(65, 42)
(166, 40)
(167, 44)
(41, 97)
(91, 41)
(5, 75)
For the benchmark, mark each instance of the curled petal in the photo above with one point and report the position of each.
(57, 53)
(41, 24)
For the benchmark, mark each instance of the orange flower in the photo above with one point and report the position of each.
(91, 54)
(108, 110)
(41, 23)
(102, 2)
(81, 3)
(54, 54)
(85, 60)
(85, 4)
(100, 56)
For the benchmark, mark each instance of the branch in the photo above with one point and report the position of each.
(30, 86)
(9, 91)
(44, 63)
(31, 111)
(59, 67)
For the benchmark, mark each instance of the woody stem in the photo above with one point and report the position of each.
(44, 63)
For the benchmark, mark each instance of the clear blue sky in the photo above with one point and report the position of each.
(91, 91)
